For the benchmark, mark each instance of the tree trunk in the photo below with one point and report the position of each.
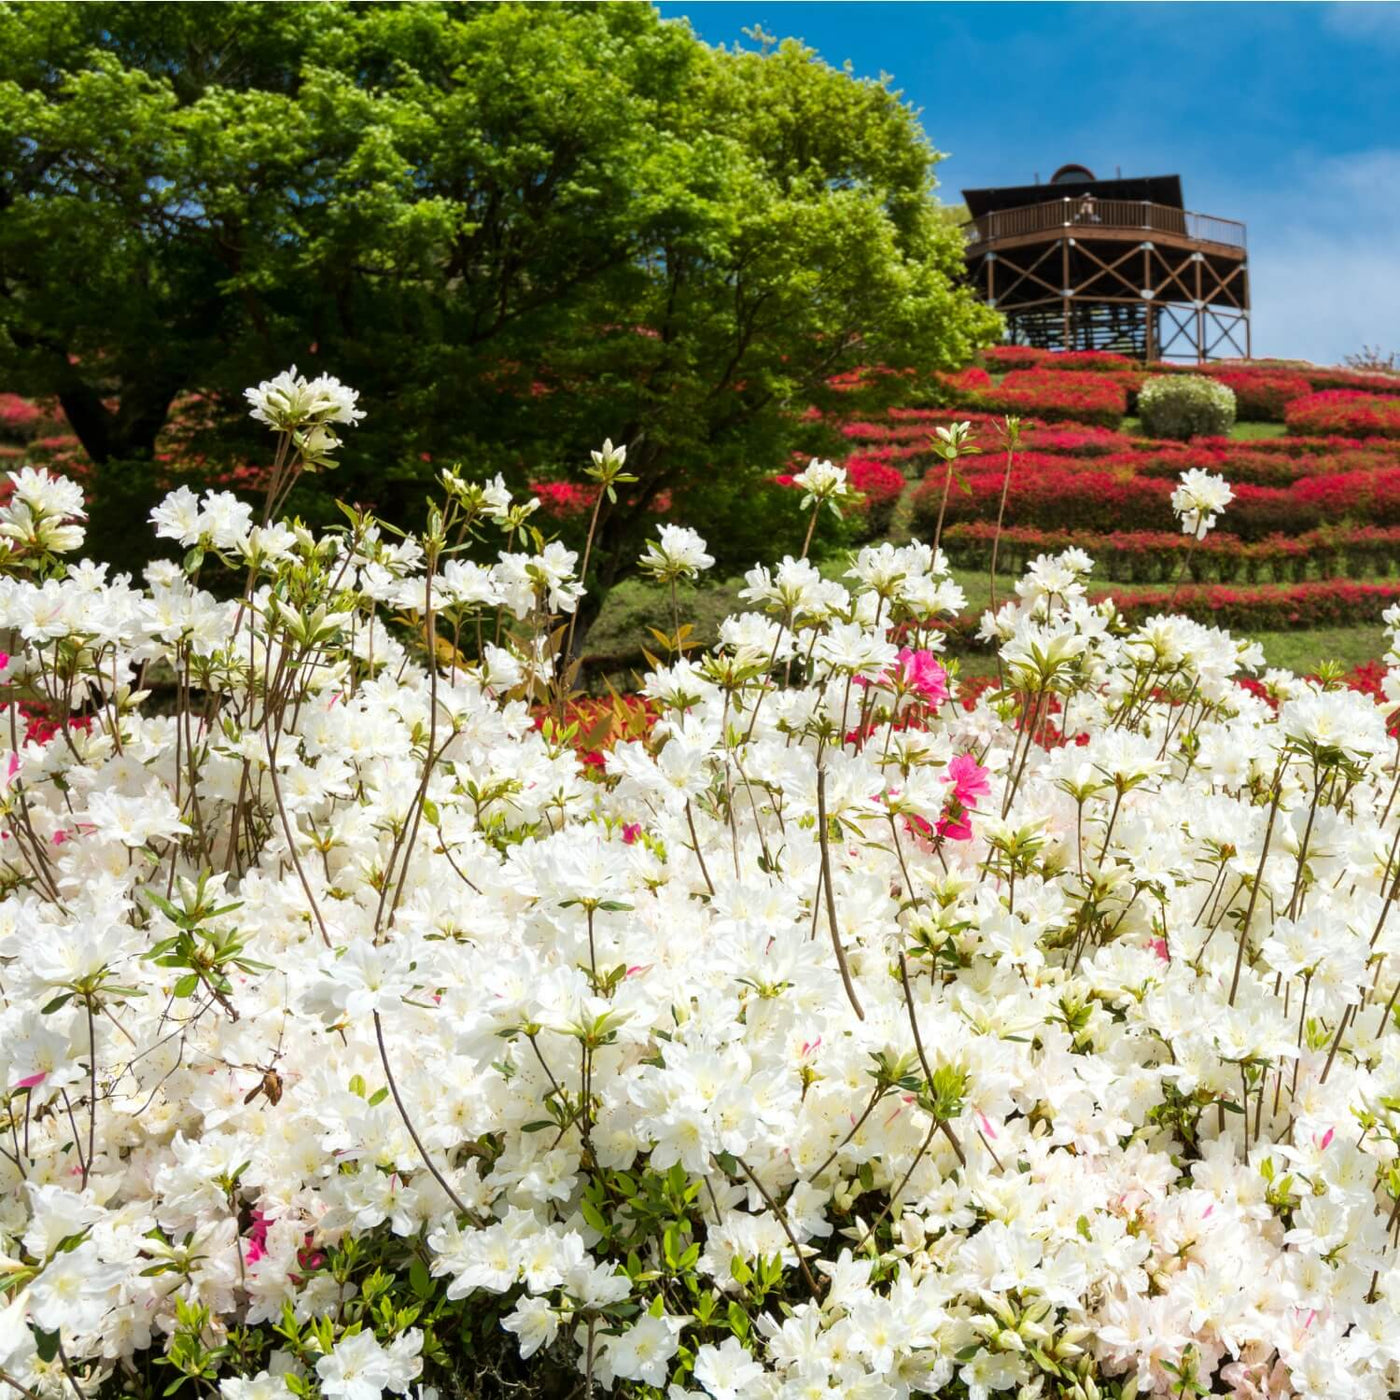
(123, 487)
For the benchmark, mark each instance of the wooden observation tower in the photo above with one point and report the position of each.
(1089, 264)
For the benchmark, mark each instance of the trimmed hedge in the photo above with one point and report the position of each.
(1155, 556)
(1349, 411)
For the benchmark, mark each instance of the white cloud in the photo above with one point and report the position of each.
(1324, 259)
(1372, 22)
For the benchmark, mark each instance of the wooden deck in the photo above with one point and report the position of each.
(1114, 220)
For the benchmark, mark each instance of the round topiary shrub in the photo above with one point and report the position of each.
(1186, 405)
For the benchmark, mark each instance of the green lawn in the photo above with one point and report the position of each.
(1241, 432)
(1304, 651)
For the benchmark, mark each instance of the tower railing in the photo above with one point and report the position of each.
(1087, 212)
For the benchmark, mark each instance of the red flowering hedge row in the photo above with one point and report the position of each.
(969, 380)
(1346, 411)
(1303, 606)
(880, 483)
(1000, 358)
(1059, 493)
(1236, 462)
(1070, 439)
(1156, 556)
(1261, 396)
(1288, 445)
(1326, 377)
(1241, 610)
(1056, 396)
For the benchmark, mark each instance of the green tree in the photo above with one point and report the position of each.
(516, 229)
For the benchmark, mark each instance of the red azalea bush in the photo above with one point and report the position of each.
(1134, 489)
(881, 486)
(968, 380)
(879, 483)
(1011, 357)
(1076, 440)
(1058, 396)
(1350, 411)
(1287, 445)
(22, 419)
(1326, 377)
(1306, 605)
(1078, 496)
(1238, 462)
(1261, 395)
(1372, 496)
(564, 500)
(1156, 556)
(879, 433)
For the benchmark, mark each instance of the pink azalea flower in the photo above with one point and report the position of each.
(257, 1238)
(630, 832)
(924, 675)
(970, 780)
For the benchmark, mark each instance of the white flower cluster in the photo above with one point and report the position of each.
(41, 516)
(1198, 499)
(291, 401)
(833, 1039)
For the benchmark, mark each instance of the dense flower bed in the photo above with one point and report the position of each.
(1058, 396)
(1263, 395)
(1147, 556)
(1351, 411)
(1327, 604)
(1097, 495)
(833, 1037)
(1001, 358)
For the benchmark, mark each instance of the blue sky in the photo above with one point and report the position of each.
(1286, 116)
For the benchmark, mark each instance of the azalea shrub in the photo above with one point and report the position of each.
(1263, 395)
(370, 1021)
(1100, 494)
(1354, 412)
(1146, 556)
(1057, 396)
(1183, 405)
(1012, 357)
(1305, 605)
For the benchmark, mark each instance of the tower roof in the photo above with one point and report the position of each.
(1158, 189)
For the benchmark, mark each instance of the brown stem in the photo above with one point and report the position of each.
(460, 1205)
(831, 897)
(1258, 876)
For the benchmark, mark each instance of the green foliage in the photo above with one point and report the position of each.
(525, 228)
(1186, 405)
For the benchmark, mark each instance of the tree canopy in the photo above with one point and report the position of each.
(516, 229)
